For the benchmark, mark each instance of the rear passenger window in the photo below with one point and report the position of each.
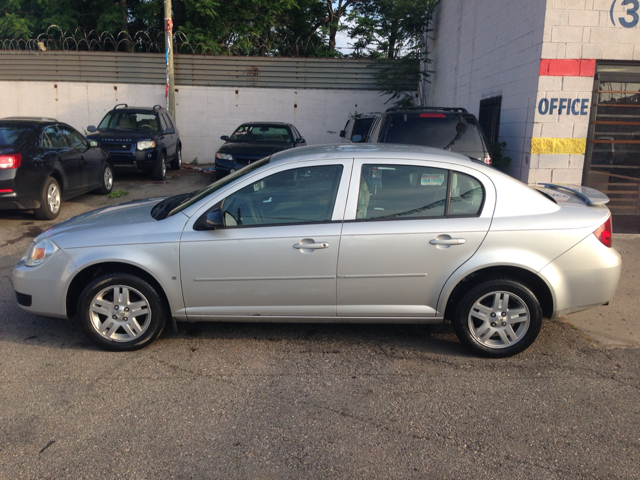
(52, 138)
(405, 191)
(402, 191)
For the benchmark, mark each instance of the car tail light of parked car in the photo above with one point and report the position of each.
(487, 160)
(603, 233)
(10, 161)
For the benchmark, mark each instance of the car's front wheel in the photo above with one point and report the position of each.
(159, 171)
(50, 200)
(120, 311)
(498, 318)
(107, 180)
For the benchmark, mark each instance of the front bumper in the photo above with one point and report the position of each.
(136, 160)
(46, 284)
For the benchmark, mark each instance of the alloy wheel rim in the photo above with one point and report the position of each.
(164, 168)
(53, 198)
(179, 158)
(499, 320)
(108, 178)
(120, 313)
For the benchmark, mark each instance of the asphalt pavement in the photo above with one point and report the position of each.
(234, 400)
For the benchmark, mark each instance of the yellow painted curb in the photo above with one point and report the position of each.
(566, 146)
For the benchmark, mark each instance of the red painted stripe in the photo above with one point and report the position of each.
(568, 67)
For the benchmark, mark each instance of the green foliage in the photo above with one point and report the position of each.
(497, 159)
(194, 161)
(118, 193)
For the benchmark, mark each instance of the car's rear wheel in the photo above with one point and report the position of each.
(159, 171)
(50, 200)
(176, 163)
(498, 318)
(120, 311)
(107, 180)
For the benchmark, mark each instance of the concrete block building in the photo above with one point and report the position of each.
(557, 80)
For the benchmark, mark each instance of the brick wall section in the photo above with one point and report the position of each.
(483, 48)
(575, 30)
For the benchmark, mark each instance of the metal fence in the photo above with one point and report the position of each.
(222, 71)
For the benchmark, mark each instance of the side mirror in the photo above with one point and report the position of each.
(343, 133)
(356, 138)
(93, 143)
(169, 131)
(301, 141)
(91, 128)
(211, 220)
(224, 137)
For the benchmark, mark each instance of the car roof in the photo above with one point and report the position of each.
(372, 151)
(29, 119)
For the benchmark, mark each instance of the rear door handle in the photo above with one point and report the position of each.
(447, 241)
(311, 246)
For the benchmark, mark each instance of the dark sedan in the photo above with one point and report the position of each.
(253, 141)
(43, 161)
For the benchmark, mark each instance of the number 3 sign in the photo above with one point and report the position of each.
(632, 11)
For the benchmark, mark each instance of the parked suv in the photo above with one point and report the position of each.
(141, 139)
(357, 126)
(452, 129)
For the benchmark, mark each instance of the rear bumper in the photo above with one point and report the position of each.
(14, 195)
(585, 276)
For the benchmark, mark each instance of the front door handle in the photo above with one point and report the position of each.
(310, 246)
(447, 241)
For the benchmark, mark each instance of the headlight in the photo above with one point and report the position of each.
(145, 144)
(39, 252)
(224, 156)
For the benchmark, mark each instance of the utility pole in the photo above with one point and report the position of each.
(170, 93)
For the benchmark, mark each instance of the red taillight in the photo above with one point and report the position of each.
(433, 115)
(6, 190)
(603, 233)
(487, 160)
(10, 161)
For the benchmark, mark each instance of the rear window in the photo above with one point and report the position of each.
(12, 134)
(455, 133)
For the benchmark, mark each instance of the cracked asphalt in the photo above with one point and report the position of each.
(281, 401)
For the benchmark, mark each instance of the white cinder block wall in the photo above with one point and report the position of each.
(485, 48)
(203, 114)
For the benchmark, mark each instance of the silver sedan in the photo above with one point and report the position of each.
(351, 233)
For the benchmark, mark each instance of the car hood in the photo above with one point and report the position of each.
(122, 224)
(120, 135)
(254, 149)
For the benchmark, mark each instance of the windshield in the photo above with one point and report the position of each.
(261, 134)
(176, 203)
(12, 134)
(455, 132)
(129, 121)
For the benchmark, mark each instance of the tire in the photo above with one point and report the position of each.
(489, 329)
(159, 171)
(121, 312)
(107, 180)
(176, 163)
(50, 200)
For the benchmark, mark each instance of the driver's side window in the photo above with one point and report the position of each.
(300, 195)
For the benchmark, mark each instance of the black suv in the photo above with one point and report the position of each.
(452, 129)
(139, 138)
(357, 127)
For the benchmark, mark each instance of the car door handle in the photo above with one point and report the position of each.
(447, 241)
(311, 246)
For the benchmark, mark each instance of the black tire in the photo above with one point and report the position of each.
(106, 184)
(159, 171)
(50, 200)
(118, 324)
(176, 163)
(485, 326)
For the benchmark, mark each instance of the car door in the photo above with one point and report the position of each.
(67, 159)
(168, 139)
(408, 226)
(277, 252)
(91, 159)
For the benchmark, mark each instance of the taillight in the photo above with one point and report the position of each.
(10, 161)
(487, 160)
(603, 233)
(433, 115)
